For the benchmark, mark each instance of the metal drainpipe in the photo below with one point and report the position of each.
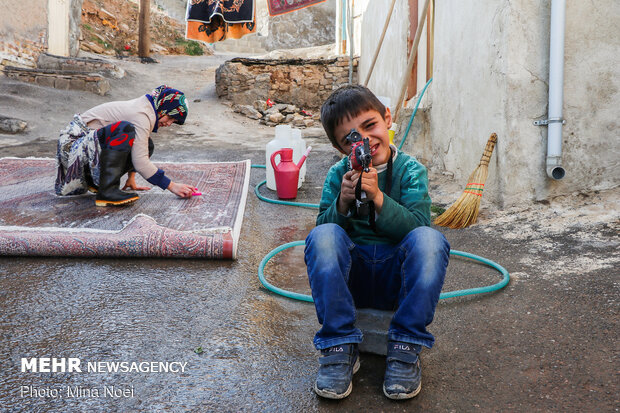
(556, 85)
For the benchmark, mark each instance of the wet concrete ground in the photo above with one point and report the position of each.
(547, 342)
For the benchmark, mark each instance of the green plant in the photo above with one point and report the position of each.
(87, 27)
(437, 210)
(191, 47)
(101, 42)
(194, 49)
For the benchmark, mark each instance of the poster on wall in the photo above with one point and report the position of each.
(278, 7)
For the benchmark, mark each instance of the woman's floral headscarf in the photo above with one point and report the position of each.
(168, 101)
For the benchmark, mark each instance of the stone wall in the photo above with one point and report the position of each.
(24, 31)
(79, 64)
(60, 79)
(22, 52)
(311, 26)
(301, 82)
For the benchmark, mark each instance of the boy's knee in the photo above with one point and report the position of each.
(325, 233)
(426, 240)
(326, 239)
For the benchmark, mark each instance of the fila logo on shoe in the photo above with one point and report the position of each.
(336, 349)
(403, 347)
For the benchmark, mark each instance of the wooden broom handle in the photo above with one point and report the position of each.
(488, 151)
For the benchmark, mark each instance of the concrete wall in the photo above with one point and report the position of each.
(311, 26)
(491, 75)
(174, 8)
(23, 31)
(386, 78)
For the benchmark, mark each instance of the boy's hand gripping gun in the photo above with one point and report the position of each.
(360, 159)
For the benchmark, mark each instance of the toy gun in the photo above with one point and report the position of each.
(360, 159)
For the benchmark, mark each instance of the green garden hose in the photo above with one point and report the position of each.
(307, 298)
(449, 294)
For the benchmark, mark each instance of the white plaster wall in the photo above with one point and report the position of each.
(58, 27)
(490, 75)
(24, 18)
(467, 93)
(387, 75)
(20, 22)
(591, 151)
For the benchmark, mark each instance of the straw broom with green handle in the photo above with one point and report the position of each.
(464, 211)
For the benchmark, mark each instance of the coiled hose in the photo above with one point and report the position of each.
(308, 298)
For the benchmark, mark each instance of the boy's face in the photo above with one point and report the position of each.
(370, 124)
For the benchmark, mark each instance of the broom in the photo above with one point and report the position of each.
(464, 211)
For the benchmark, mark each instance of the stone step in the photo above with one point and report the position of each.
(48, 61)
(60, 79)
(374, 325)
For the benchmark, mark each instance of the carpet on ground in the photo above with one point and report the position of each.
(36, 222)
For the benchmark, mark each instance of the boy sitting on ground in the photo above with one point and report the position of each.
(392, 262)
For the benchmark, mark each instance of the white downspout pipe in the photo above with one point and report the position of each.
(556, 92)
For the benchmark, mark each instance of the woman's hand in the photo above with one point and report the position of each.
(181, 190)
(130, 183)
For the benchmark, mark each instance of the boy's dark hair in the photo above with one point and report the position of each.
(347, 101)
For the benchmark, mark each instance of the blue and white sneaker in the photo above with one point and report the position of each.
(403, 375)
(337, 365)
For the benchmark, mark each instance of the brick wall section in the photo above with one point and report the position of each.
(20, 51)
(91, 82)
(305, 83)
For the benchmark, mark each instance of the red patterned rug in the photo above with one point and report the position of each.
(36, 222)
(277, 7)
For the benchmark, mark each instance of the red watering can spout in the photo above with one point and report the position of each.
(303, 158)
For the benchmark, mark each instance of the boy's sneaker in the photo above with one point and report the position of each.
(403, 375)
(337, 365)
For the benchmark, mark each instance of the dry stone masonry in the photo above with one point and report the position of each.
(68, 73)
(79, 64)
(298, 87)
(61, 79)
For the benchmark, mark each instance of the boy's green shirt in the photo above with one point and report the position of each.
(408, 205)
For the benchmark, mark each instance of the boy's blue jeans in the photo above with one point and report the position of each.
(405, 278)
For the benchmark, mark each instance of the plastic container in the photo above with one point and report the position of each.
(282, 140)
(287, 172)
(387, 103)
(299, 148)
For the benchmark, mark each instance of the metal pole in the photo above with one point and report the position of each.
(556, 89)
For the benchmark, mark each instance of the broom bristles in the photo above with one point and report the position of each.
(464, 211)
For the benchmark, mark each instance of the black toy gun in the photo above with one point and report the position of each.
(359, 160)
